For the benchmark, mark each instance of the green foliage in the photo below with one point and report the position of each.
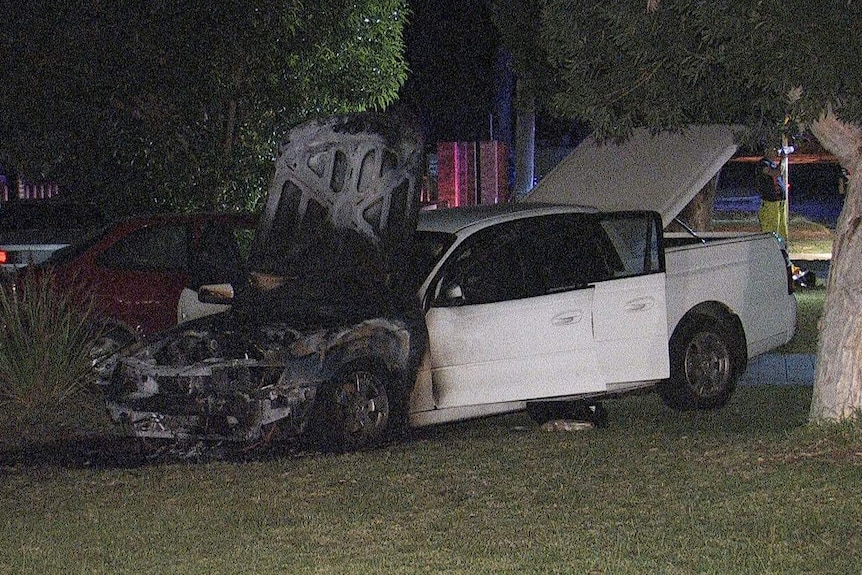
(353, 62)
(620, 68)
(518, 23)
(617, 66)
(45, 366)
(150, 106)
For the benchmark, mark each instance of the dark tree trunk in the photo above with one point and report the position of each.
(525, 145)
(698, 213)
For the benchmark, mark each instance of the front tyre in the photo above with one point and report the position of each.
(353, 410)
(703, 368)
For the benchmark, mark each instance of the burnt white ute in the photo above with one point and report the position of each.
(544, 305)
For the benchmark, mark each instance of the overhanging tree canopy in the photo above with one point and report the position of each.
(154, 104)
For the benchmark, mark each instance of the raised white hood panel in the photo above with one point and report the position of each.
(661, 172)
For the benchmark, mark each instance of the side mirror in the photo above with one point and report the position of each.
(216, 293)
(454, 292)
(451, 295)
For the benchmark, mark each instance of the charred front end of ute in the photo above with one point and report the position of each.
(325, 336)
(211, 381)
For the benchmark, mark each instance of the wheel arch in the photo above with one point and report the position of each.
(328, 416)
(392, 352)
(730, 323)
(385, 352)
(100, 325)
(109, 337)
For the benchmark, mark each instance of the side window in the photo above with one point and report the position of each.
(244, 238)
(570, 251)
(635, 237)
(487, 268)
(220, 255)
(154, 248)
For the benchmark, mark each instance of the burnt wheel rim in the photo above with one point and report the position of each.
(708, 365)
(365, 406)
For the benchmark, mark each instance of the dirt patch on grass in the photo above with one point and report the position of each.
(119, 452)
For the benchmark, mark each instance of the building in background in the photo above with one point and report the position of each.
(471, 173)
(26, 190)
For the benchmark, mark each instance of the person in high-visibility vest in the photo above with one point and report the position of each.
(772, 187)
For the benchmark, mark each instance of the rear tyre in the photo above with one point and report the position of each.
(353, 410)
(703, 368)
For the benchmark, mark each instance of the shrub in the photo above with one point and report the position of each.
(45, 365)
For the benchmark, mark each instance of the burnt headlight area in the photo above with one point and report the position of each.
(238, 400)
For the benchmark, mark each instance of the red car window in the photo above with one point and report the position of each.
(154, 248)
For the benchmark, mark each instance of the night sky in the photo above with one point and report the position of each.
(452, 54)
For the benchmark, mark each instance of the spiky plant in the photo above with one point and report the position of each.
(45, 364)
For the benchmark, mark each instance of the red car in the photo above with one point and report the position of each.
(134, 269)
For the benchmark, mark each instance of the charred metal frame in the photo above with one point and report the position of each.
(232, 377)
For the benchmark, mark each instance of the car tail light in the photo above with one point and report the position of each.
(4, 257)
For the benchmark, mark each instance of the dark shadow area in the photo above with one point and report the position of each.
(97, 452)
(115, 452)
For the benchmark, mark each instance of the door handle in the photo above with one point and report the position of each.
(567, 317)
(640, 304)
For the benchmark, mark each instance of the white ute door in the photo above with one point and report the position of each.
(630, 326)
(497, 335)
(513, 350)
(630, 308)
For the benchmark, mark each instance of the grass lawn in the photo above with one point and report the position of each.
(809, 308)
(806, 237)
(746, 489)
